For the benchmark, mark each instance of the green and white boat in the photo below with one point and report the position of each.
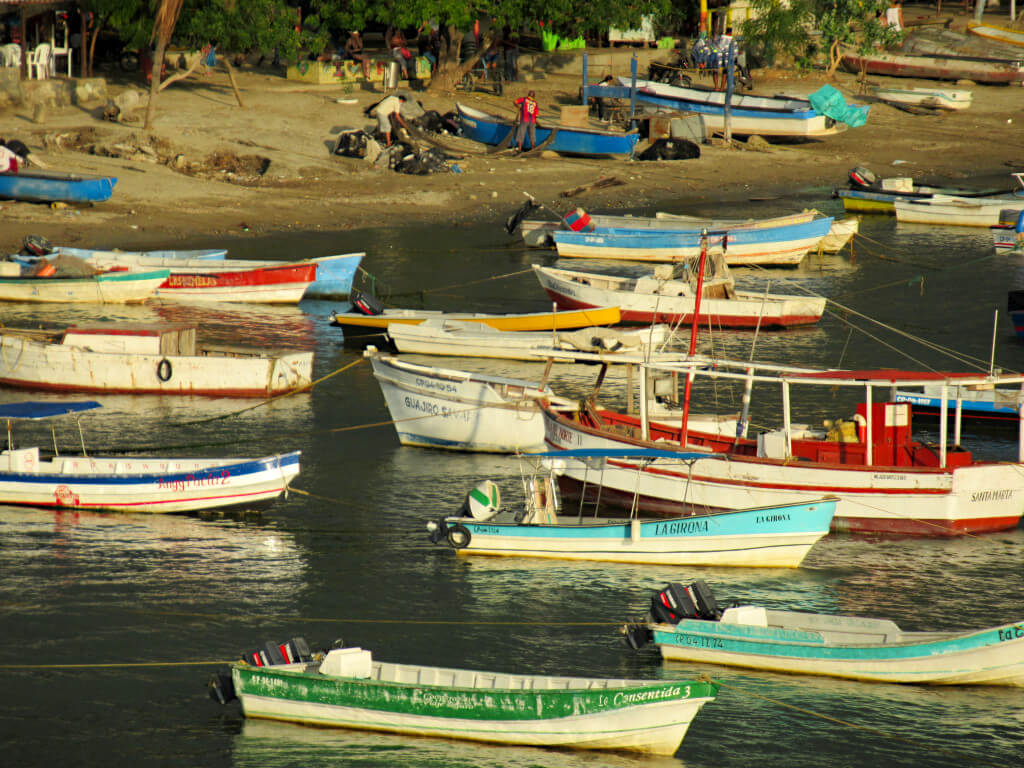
(348, 689)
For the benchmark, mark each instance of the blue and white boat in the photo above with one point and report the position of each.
(206, 254)
(855, 648)
(780, 246)
(591, 142)
(980, 404)
(53, 187)
(777, 537)
(779, 117)
(131, 484)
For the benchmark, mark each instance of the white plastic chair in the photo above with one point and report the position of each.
(60, 52)
(10, 55)
(40, 62)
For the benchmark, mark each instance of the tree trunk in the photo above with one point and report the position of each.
(231, 77)
(834, 57)
(154, 82)
(450, 71)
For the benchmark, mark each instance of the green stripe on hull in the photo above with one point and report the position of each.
(497, 704)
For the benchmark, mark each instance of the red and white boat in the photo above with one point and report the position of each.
(668, 295)
(886, 481)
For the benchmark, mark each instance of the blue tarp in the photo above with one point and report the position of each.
(37, 410)
(830, 102)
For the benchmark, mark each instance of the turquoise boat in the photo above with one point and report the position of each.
(347, 688)
(855, 648)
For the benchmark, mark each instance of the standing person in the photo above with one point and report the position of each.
(510, 45)
(354, 52)
(528, 109)
(400, 52)
(894, 16)
(385, 109)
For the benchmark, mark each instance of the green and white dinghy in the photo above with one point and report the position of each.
(346, 688)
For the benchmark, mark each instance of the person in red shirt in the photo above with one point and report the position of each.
(528, 110)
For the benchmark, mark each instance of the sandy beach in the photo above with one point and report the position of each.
(196, 175)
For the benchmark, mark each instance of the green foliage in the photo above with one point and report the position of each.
(237, 25)
(778, 29)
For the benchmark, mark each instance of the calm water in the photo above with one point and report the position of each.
(352, 559)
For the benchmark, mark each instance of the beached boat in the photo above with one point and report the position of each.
(778, 537)
(52, 187)
(347, 688)
(361, 328)
(931, 98)
(108, 288)
(462, 339)
(851, 647)
(130, 484)
(779, 117)
(956, 211)
(938, 67)
(886, 481)
(777, 246)
(668, 295)
(334, 274)
(144, 359)
(995, 32)
(493, 130)
(444, 408)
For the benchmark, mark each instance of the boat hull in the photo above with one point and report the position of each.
(580, 290)
(113, 288)
(142, 485)
(42, 187)
(779, 246)
(993, 656)
(648, 717)
(31, 364)
(778, 537)
(491, 130)
(873, 499)
(934, 67)
(955, 211)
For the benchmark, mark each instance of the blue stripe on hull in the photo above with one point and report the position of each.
(568, 141)
(690, 238)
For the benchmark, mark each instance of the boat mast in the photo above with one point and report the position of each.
(693, 336)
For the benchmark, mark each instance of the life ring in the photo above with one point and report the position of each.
(163, 370)
(459, 536)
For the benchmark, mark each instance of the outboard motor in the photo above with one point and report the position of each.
(676, 602)
(364, 303)
(36, 245)
(862, 177)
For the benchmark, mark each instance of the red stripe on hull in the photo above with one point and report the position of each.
(145, 391)
(720, 321)
(285, 275)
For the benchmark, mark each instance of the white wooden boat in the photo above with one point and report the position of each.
(537, 233)
(668, 295)
(839, 234)
(933, 98)
(347, 688)
(777, 537)
(109, 288)
(144, 359)
(128, 484)
(852, 647)
(460, 411)
(995, 32)
(462, 339)
(362, 328)
(886, 481)
(956, 211)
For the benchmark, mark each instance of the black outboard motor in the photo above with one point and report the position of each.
(364, 303)
(512, 222)
(676, 602)
(36, 245)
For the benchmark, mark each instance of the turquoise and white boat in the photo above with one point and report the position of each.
(347, 688)
(779, 536)
(849, 647)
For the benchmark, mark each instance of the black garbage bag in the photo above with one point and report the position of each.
(670, 149)
(351, 143)
(428, 161)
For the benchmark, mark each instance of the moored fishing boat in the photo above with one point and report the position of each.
(977, 404)
(885, 480)
(462, 339)
(870, 194)
(951, 99)
(956, 211)
(347, 688)
(668, 295)
(362, 328)
(937, 67)
(777, 537)
(130, 484)
(106, 288)
(777, 246)
(852, 647)
(493, 130)
(50, 186)
(144, 359)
